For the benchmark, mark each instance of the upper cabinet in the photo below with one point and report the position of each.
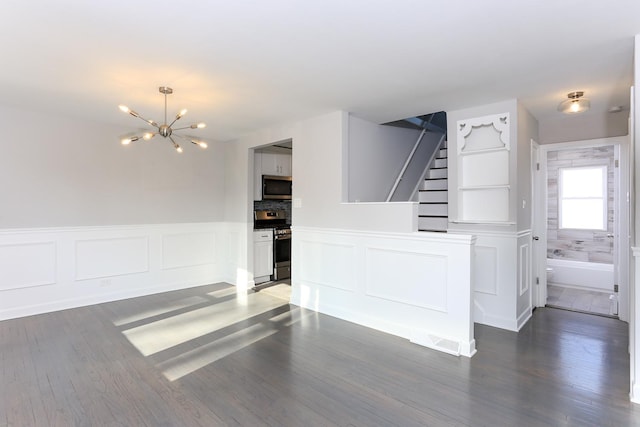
(276, 164)
(269, 164)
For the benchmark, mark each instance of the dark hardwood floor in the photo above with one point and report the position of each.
(202, 357)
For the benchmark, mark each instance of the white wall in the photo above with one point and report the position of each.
(502, 274)
(527, 130)
(634, 294)
(376, 154)
(319, 146)
(565, 128)
(61, 171)
(86, 220)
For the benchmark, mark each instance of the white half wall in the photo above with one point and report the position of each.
(414, 285)
(502, 278)
(49, 269)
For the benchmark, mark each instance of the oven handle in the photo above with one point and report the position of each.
(282, 237)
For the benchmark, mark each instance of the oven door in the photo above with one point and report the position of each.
(282, 256)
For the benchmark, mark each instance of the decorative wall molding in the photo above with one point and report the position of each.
(413, 285)
(486, 270)
(425, 283)
(500, 123)
(17, 261)
(188, 249)
(328, 264)
(49, 269)
(524, 273)
(98, 258)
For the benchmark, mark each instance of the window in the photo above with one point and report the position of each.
(582, 198)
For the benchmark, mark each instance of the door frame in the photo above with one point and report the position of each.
(621, 216)
(538, 224)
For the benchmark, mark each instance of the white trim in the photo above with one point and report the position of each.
(99, 264)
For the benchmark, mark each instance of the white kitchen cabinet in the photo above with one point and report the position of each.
(268, 164)
(262, 255)
(276, 164)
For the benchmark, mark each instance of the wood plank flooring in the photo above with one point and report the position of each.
(272, 364)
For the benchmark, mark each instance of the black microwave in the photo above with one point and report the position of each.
(276, 187)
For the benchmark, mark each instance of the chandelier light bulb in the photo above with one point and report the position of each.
(201, 144)
(166, 129)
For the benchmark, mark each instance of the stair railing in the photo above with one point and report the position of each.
(406, 164)
(428, 166)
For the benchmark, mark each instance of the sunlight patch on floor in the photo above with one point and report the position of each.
(160, 310)
(169, 332)
(200, 357)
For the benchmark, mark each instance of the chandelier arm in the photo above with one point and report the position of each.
(175, 145)
(175, 120)
(185, 127)
(148, 121)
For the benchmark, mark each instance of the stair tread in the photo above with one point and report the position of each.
(434, 190)
(434, 203)
(433, 216)
(434, 179)
(432, 231)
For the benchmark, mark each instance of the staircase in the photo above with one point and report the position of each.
(433, 197)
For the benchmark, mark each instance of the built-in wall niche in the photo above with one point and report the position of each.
(483, 145)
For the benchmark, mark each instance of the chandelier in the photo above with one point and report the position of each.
(165, 130)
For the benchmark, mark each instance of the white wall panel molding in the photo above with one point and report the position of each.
(496, 278)
(425, 283)
(486, 270)
(49, 269)
(98, 258)
(27, 264)
(524, 273)
(188, 249)
(334, 267)
(499, 124)
(413, 285)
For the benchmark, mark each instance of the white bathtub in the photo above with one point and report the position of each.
(578, 274)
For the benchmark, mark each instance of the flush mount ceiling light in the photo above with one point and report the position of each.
(165, 130)
(575, 104)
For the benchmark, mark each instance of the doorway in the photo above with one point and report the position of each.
(577, 264)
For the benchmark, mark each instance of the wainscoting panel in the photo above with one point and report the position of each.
(414, 285)
(486, 270)
(502, 296)
(49, 269)
(188, 249)
(425, 283)
(524, 276)
(24, 265)
(111, 257)
(328, 264)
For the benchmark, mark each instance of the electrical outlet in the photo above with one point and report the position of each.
(615, 288)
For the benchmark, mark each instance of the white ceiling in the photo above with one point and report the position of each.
(243, 65)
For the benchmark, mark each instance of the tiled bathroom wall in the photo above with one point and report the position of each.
(579, 245)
